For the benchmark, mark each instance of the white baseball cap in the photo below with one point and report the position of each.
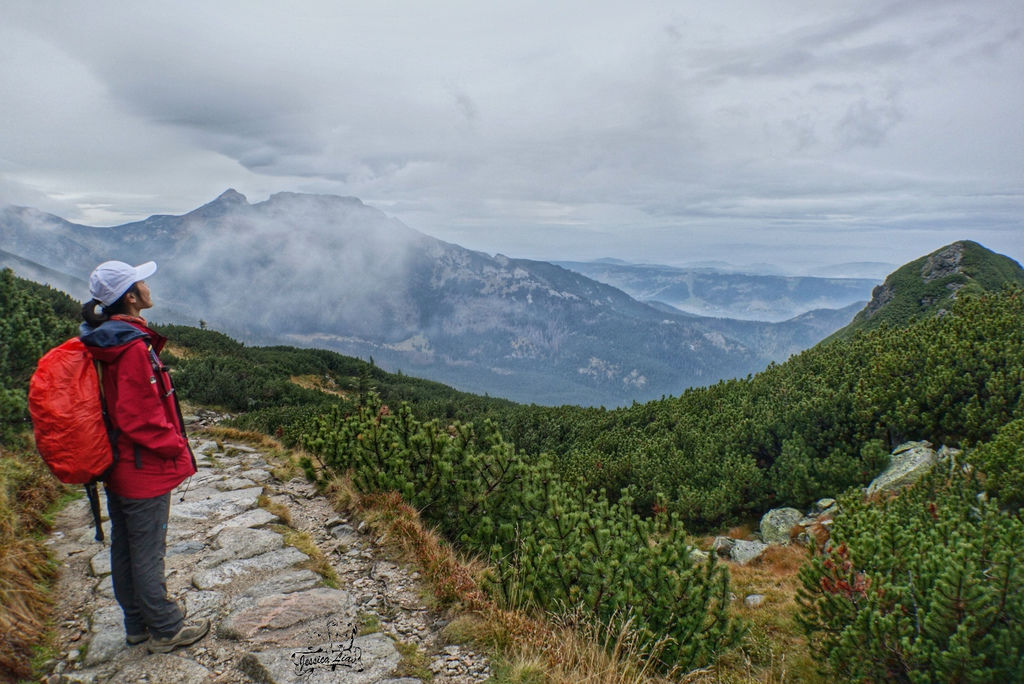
(111, 279)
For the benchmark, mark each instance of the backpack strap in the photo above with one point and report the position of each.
(112, 435)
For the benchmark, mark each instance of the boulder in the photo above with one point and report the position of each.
(723, 546)
(777, 523)
(745, 551)
(738, 550)
(910, 462)
(822, 506)
(753, 600)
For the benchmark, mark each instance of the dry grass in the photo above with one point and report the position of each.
(319, 383)
(278, 509)
(179, 351)
(256, 439)
(27, 490)
(317, 562)
(774, 651)
(527, 648)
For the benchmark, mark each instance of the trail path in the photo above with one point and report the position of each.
(274, 620)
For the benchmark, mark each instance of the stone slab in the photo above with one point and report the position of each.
(256, 517)
(165, 668)
(369, 658)
(228, 572)
(215, 506)
(186, 547)
(107, 628)
(285, 582)
(203, 603)
(235, 543)
(106, 587)
(233, 483)
(256, 475)
(280, 611)
(99, 566)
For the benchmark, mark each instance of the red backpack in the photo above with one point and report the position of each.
(69, 418)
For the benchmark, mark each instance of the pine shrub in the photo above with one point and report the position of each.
(553, 545)
(925, 587)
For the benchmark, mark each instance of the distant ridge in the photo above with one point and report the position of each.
(927, 286)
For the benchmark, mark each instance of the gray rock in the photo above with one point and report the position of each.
(100, 563)
(346, 533)
(164, 668)
(284, 583)
(256, 475)
(214, 506)
(776, 524)
(374, 656)
(106, 587)
(743, 551)
(203, 603)
(698, 556)
(186, 547)
(822, 505)
(284, 610)
(107, 630)
(235, 543)
(754, 600)
(90, 676)
(910, 462)
(234, 483)
(256, 517)
(206, 447)
(229, 571)
(723, 545)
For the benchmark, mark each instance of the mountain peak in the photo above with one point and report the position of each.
(230, 196)
(927, 286)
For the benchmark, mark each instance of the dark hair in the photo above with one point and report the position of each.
(94, 318)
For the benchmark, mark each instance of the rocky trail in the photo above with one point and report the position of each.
(274, 619)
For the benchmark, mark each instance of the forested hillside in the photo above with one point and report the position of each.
(588, 510)
(819, 423)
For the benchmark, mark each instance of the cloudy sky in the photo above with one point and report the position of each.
(792, 132)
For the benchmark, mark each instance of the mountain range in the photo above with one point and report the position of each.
(727, 293)
(327, 271)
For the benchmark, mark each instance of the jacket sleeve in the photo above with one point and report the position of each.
(140, 410)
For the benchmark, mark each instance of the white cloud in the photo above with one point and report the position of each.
(538, 129)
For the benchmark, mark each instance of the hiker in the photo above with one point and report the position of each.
(151, 452)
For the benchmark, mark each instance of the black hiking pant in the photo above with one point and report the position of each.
(138, 541)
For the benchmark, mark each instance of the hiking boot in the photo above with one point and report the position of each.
(136, 639)
(143, 636)
(188, 634)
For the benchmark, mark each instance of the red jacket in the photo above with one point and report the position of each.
(152, 456)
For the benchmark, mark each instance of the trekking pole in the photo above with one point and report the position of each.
(94, 505)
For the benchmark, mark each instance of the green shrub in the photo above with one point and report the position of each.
(925, 587)
(553, 545)
(1001, 462)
